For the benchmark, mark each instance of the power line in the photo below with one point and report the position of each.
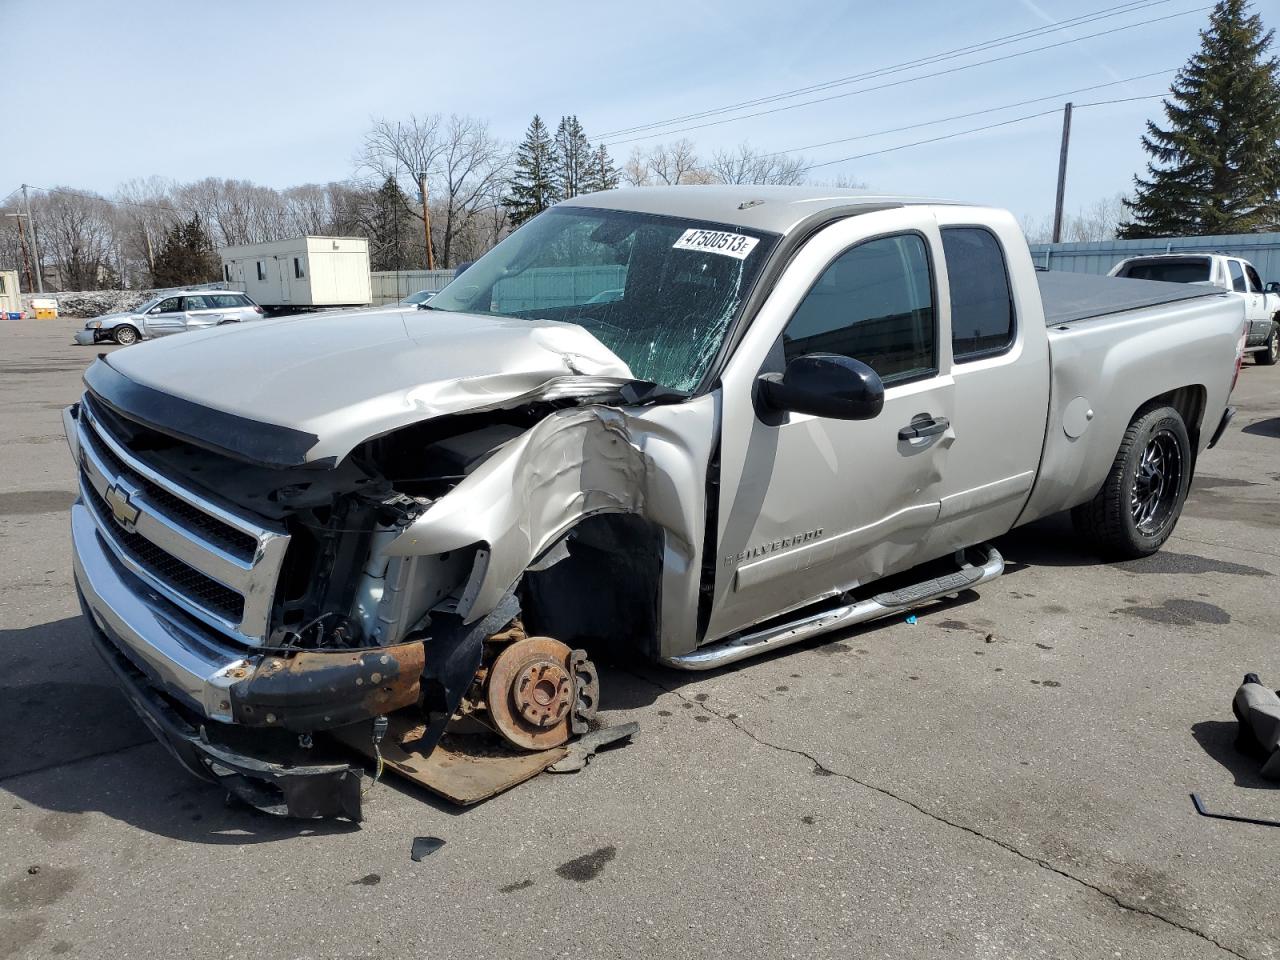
(962, 133)
(974, 113)
(1106, 13)
(94, 196)
(906, 80)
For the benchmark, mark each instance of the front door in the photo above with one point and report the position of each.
(809, 506)
(166, 317)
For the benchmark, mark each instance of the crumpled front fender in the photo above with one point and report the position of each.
(576, 463)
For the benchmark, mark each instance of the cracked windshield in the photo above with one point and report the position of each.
(660, 292)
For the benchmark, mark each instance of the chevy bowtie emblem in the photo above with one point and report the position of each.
(126, 513)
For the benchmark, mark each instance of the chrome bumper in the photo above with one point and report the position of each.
(182, 660)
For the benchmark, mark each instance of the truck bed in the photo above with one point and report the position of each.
(1069, 297)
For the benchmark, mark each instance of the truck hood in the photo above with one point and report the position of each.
(308, 389)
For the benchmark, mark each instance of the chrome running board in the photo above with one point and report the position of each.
(742, 646)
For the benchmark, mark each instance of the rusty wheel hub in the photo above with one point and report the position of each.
(543, 693)
(534, 691)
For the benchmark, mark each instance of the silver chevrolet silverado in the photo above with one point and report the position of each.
(691, 423)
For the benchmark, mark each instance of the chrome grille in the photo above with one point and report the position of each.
(212, 559)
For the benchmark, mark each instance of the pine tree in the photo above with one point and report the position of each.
(392, 228)
(572, 158)
(532, 189)
(185, 257)
(1216, 167)
(601, 173)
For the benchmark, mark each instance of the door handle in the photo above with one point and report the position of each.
(924, 428)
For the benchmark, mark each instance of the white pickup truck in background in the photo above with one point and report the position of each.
(1231, 274)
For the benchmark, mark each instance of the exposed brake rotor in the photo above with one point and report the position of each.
(539, 692)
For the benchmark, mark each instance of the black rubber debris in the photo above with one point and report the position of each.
(425, 847)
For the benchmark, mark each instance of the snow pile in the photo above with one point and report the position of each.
(95, 303)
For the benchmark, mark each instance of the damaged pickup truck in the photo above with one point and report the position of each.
(695, 423)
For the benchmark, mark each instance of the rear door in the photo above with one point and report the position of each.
(1000, 368)
(166, 317)
(812, 506)
(199, 312)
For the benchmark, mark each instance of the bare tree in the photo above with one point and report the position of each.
(145, 214)
(463, 162)
(745, 164)
(76, 231)
(635, 172)
(1100, 221)
(307, 209)
(676, 163)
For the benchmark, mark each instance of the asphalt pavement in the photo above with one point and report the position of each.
(1007, 777)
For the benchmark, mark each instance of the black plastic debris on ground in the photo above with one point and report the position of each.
(1200, 809)
(424, 847)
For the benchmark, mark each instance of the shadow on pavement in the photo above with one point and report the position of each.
(1218, 739)
(70, 744)
(1264, 428)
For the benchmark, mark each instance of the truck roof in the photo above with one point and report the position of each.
(776, 209)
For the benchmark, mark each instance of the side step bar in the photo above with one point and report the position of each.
(745, 645)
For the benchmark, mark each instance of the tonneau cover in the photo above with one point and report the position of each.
(1079, 296)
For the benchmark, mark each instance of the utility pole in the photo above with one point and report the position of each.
(22, 241)
(1062, 173)
(426, 221)
(35, 239)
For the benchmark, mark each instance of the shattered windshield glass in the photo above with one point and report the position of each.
(658, 291)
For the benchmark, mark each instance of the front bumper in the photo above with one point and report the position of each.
(87, 338)
(227, 715)
(270, 780)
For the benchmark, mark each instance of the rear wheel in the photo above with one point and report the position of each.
(125, 335)
(1270, 351)
(1139, 504)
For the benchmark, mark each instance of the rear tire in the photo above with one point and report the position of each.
(1270, 353)
(1139, 504)
(125, 335)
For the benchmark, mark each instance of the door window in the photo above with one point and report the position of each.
(981, 298)
(1237, 277)
(195, 303)
(1255, 281)
(875, 304)
(171, 305)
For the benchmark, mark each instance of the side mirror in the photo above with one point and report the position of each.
(825, 385)
(154, 310)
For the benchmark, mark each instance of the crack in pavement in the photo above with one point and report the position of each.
(1231, 546)
(1004, 845)
(66, 763)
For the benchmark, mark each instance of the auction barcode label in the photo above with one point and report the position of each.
(715, 241)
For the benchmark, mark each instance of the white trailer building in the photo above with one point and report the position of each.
(302, 272)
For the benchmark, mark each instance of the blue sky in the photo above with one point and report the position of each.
(280, 93)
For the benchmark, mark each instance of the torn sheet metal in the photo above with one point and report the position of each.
(462, 768)
(583, 749)
(419, 364)
(575, 463)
